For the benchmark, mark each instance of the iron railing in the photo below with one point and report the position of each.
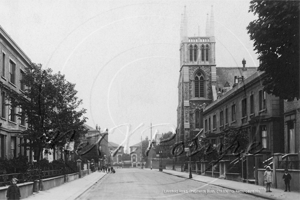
(290, 164)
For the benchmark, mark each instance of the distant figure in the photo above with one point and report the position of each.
(268, 178)
(112, 170)
(287, 178)
(13, 191)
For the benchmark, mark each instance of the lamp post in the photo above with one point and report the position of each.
(187, 150)
(160, 160)
(190, 168)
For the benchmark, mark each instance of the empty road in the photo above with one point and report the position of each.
(151, 184)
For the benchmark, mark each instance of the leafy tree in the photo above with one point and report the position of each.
(276, 39)
(145, 145)
(166, 144)
(67, 116)
(51, 108)
(235, 140)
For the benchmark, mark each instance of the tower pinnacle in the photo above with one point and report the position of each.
(207, 28)
(212, 27)
(185, 25)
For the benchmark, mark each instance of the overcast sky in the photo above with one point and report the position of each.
(123, 55)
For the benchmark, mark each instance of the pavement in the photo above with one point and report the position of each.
(70, 190)
(251, 189)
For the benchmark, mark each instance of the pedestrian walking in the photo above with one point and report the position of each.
(287, 178)
(13, 191)
(268, 178)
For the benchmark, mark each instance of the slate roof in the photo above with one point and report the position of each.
(257, 74)
(225, 75)
(112, 144)
(133, 150)
(136, 145)
(89, 127)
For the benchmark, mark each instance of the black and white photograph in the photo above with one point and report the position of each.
(149, 99)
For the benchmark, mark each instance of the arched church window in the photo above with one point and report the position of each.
(197, 119)
(191, 53)
(207, 47)
(195, 52)
(202, 52)
(199, 85)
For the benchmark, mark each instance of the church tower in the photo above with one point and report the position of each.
(197, 80)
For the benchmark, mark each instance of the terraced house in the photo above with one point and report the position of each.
(218, 99)
(249, 110)
(13, 61)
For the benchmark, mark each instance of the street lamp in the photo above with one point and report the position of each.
(187, 150)
(190, 175)
(142, 161)
(160, 160)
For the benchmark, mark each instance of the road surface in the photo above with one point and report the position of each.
(135, 183)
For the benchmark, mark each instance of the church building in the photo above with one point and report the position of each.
(200, 81)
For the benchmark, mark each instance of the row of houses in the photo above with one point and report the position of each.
(218, 99)
(268, 121)
(13, 61)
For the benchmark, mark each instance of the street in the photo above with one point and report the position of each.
(135, 183)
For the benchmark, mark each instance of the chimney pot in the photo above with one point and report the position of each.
(244, 64)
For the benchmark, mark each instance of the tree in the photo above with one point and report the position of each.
(51, 108)
(67, 114)
(166, 144)
(276, 39)
(145, 144)
(236, 140)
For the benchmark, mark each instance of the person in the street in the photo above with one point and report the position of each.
(268, 178)
(287, 178)
(13, 191)
(112, 170)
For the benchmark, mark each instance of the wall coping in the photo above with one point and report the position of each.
(19, 185)
(28, 183)
(76, 173)
(56, 177)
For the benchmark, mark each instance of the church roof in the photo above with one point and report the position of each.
(239, 86)
(225, 75)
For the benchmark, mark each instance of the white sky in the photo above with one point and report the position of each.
(123, 55)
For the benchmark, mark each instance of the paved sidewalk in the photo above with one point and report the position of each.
(70, 190)
(251, 189)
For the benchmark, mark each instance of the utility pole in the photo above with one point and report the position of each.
(151, 144)
(151, 131)
(142, 152)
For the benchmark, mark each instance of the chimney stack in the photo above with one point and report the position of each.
(237, 80)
